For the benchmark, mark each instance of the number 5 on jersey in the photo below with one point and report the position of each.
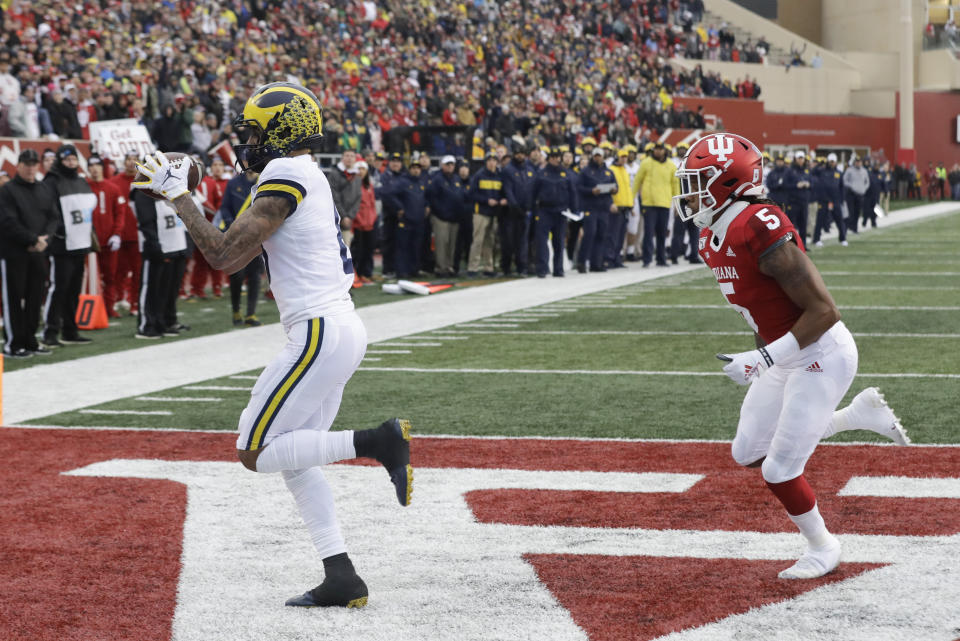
(770, 219)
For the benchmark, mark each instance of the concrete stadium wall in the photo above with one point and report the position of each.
(938, 70)
(802, 18)
(774, 33)
(868, 25)
(878, 70)
(797, 90)
(874, 103)
(811, 131)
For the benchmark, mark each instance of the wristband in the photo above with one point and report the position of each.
(781, 349)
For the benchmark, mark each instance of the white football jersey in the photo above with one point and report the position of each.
(309, 266)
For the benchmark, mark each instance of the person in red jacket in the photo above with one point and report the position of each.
(107, 224)
(362, 245)
(128, 256)
(210, 191)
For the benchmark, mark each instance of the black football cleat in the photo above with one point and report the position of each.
(390, 444)
(335, 592)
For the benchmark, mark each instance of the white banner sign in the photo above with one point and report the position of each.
(114, 138)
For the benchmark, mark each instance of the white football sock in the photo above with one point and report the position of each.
(301, 449)
(315, 501)
(812, 527)
(839, 422)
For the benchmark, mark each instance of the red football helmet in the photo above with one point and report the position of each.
(719, 168)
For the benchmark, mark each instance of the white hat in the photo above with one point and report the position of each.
(831, 157)
(800, 154)
(361, 164)
(448, 158)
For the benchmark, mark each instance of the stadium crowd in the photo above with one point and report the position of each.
(571, 68)
(556, 106)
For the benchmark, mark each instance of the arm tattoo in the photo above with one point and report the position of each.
(235, 248)
(779, 263)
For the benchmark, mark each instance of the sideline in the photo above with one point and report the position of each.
(43, 390)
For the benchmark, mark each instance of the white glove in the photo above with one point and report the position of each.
(164, 178)
(113, 243)
(744, 367)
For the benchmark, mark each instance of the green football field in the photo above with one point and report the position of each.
(632, 362)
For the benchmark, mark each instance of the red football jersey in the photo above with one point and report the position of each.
(734, 260)
(210, 192)
(122, 182)
(108, 214)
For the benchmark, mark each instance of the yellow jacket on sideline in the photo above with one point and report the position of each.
(624, 196)
(656, 182)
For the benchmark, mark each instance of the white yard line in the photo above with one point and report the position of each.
(640, 332)
(216, 388)
(879, 308)
(608, 372)
(875, 274)
(179, 399)
(946, 287)
(503, 325)
(129, 412)
(491, 437)
(389, 351)
(533, 314)
(244, 377)
(409, 345)
(42, 390)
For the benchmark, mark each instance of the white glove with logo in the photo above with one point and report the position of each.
(744, 367)
(164, 178)
(113, 243)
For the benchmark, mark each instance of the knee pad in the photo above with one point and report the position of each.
(777, 470)
(742, 453)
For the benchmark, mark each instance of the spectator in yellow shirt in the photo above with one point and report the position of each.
(657, 184)
(623, 201)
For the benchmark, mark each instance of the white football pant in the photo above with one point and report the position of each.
(788, 408)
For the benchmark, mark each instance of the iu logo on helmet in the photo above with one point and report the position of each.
(720, 146)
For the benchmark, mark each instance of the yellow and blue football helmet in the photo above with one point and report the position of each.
(282, 117)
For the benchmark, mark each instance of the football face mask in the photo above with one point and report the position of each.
(695, 199)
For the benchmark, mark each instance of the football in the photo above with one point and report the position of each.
(175, 158)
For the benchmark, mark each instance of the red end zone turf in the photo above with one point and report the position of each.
(616, 598)
(99, 558)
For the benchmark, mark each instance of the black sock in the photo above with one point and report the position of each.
(363, 443)
(338, 565)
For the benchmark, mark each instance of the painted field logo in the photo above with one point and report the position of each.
(586, 540)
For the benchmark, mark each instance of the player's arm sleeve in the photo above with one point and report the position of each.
(282, 184)
(119, 205)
